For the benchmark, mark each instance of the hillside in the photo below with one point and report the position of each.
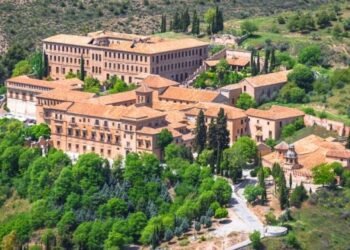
(28, 21)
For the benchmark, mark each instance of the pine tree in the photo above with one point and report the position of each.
(201, 132)
(222, 135)
(82, 68)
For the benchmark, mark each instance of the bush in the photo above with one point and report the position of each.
(298, 195)
(255, 239)
(291, 240)
(221, 213)
(309, 111)
(270, 218)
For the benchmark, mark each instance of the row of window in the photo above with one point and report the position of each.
(16, 95)
(117, 55)
(65, 48)
(67, 60)
(176, 66)
(179, 54)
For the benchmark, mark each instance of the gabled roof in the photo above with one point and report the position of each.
(268, 79)
(114, 99)
(282, 146)
(189, 95)
(143, 89)
(342, 154)
(67, 95)
(157, 82)
(212, 110)
(275, 113)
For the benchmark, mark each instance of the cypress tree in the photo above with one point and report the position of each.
(219, 20)
(185, 20)
(258, 64)
(290, 181)
(45, 65)
(201, 132)
(176, 25)
(273, 60)
(212, 142)
(82, 68)
(163, 24)
(347, 145)
(252, 62)
(195, 23)
(261, 178)
(222, 135)
(267, 59)
(282, 191)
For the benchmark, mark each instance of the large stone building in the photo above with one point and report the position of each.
(268, 124)
(130, 57)
(117, 124)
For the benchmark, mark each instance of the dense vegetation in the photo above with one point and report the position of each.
(93, 204)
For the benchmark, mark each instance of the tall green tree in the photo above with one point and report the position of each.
(201, 132)
(222, 135)
(347, 145)
(195, 23)
(164, 138)
(185, 20)
(82, 68)
(163, 24)
(282, 191)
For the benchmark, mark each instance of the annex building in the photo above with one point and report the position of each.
(130, 57)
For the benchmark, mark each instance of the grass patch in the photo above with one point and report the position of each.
(304, 132)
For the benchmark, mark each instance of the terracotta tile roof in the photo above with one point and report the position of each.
(238, 61)
(151, 46)
(63, 106)
(114, 99)
(175, 116)
(69, 39)
(189, 95)
(138, 113)
(143, 89)
(343, 154)
(149, 130)
(157, 82)
(268, 79)
(69, 83)
(67, 95)
(232, 86)
(282, 146)
(212, 110)
(275, 113)
(169, 106)
(311, 150)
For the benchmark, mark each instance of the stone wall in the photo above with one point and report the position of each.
(339, 127)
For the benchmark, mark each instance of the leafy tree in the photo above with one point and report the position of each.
(37, 131)
(245, 101)
(302, 76)
(173, 151)
(291, 93)
(200, 132)
(310, 55)
(114, 207)
(164, 138)
(324, 174)
(38, 65)
(22, 68)
(248, 27)
(298, 195)
(9, 241)
(222, 190)
(91, 85)
(115, 240)
(252, 192)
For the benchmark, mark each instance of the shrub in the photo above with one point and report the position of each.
(221, 213)
(271, 218)
(255, 239)
(309, 111)
(298, 195)
(291, 240)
